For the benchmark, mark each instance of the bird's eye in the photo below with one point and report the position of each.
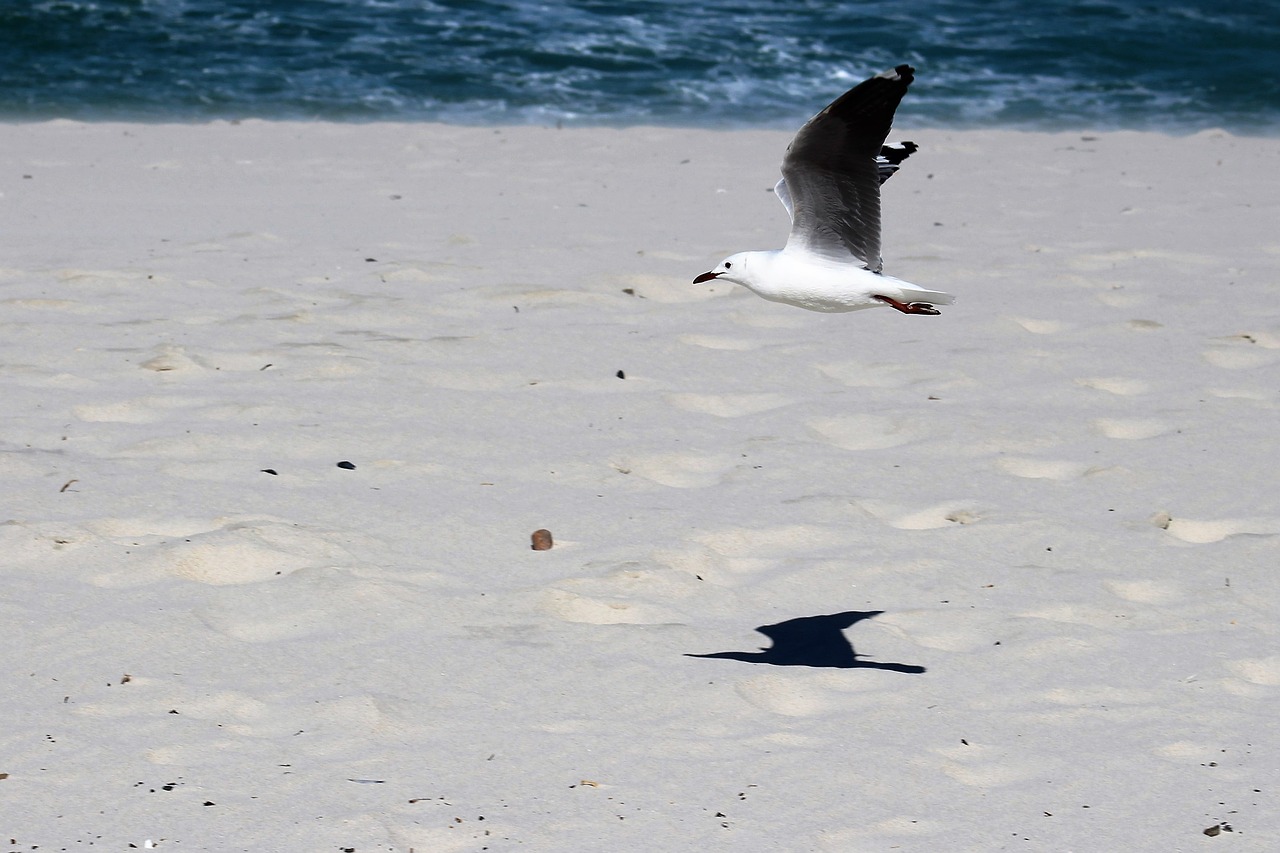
(727, 265)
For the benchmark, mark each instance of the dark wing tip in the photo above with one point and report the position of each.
(896, 152)
(875, 98)
(891, 157)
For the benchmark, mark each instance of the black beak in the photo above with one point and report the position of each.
(706, 276)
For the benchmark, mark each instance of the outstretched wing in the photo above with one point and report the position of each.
(887, 164)
(891, 156)
(831, 175)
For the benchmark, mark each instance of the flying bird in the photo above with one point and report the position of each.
(831, 177)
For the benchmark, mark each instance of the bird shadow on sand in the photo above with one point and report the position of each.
(817, 641)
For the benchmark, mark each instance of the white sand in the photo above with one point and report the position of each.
(1062, 494)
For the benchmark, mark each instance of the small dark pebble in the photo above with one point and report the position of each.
(350, 466)
(271, 471)
(541, 540)
(620, 375)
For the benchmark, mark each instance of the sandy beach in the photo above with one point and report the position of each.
(284, 403)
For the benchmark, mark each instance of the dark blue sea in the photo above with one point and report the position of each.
(1170, 65)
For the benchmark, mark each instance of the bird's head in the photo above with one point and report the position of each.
(732, 269)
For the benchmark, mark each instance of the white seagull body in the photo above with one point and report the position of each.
(831, 177)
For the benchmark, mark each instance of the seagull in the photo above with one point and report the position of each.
(831, 177)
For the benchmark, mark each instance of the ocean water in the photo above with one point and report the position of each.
(1172, 65)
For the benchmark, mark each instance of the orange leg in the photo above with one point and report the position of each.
(908, 307)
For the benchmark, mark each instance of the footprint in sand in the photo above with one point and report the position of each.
(1236, 358)
(241, 715)
(573, 607)
(680, 470)
(1133, 429)
(787, 694)
(171, 359)
(719, 342)
(858, 837)
(930, 518)
(410, 835)
(1243, 393)
(756, 319)
(858, 374)
(1109, 260)
(631, 593)
(986, 767)
(304, 603)
(925, 628)
(1205, 532)
(1121, 298)
(731, 556)
(866, 432)
(235, 713)
(1115, 385)
(1145, 591)
(177, 360)
(470, 379)
(38, 542)
(1183, 751)
(667, 290)
(1041, 327)
(310, 601)
(782, 541)
(38, 304)
(1266, 340)
(240, 552)
(91, 277)
(1044, 469)
(1264, 671)
(142, 410)
(136, 527)
(727, 405)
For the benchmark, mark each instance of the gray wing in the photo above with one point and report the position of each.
(784, 196)
(887, 165)
(831, 174)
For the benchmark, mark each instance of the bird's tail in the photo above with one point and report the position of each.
(933, 297)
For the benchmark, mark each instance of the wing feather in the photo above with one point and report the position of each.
(831, 174)
(784, 196)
